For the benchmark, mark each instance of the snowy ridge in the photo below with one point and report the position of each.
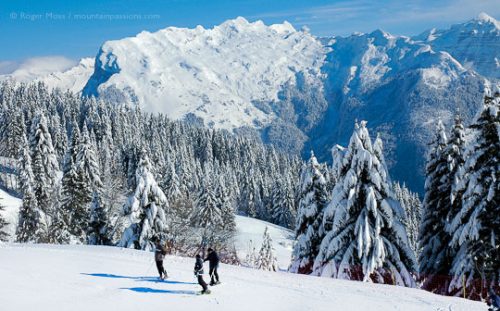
(110, 278)
(476, 44)
(216, 74)
(74, 78)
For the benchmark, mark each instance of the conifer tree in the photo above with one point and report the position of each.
(436, 257)
(32, 226)
(365, 238)
(282, 210)
(475, 227)
(99, 222)
(267, 259)
(308, 230)
(226, 208)
(455, 158)
(145, 209)
(44, 164)
(207, 213)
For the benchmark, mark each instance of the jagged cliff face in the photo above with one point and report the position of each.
(474, 44)
(298, 91)
(221, 75)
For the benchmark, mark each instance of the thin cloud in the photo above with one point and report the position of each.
(352, 16)
(32, 68)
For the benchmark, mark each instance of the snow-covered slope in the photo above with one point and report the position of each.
(476, 44)
(218, 74)
(41, 277)
(71, 78)
(10, 213)
(250, 232)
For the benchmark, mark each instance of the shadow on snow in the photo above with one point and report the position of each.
(137, 278)
(161, 291)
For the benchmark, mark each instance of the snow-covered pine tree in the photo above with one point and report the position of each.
(207, 214)
(267, 258)
(44, 164)
(283, 204)
(3, 224)
(455, 158)
(366, 241)
(412, 206)
(225, 206)
(436, 256)
(98, 233)
(251, 256)
(476, 226)
(308, 230)
(86, 161)
(71, 219)
(32, 226)
(171, 182)
(145, 209)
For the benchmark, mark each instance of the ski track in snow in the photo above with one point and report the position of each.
(54, 277)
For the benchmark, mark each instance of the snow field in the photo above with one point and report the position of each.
(49, 277)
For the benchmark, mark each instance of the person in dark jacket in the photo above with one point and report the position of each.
(160, 252)
(213, 264)
(198, 272)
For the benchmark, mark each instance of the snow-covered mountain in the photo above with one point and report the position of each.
(298, 91)
(57, 277)
(475, 44)
(220, 75)
(401, 87)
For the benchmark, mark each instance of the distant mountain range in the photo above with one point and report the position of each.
(298, 91)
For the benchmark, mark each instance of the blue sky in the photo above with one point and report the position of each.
(72, 29)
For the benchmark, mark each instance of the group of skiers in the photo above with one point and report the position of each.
(212, 258)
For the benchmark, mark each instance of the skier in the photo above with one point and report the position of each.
(213, 264)
(198, 272)
(494, 301)
(160, 253)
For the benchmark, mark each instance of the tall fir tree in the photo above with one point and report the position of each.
(366, 239)
(208, 214)
(45, 167)
(476, 225)
(32, 226)
(308, 229)
(99, 231)
(283, 204)
(145, 209)
(436, 256)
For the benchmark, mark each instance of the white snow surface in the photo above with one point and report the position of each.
(217, 74)
(48, 277)
(250, 230)
(10, 213)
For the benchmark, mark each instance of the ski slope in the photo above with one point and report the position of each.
(48, 277)
(249, 232)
